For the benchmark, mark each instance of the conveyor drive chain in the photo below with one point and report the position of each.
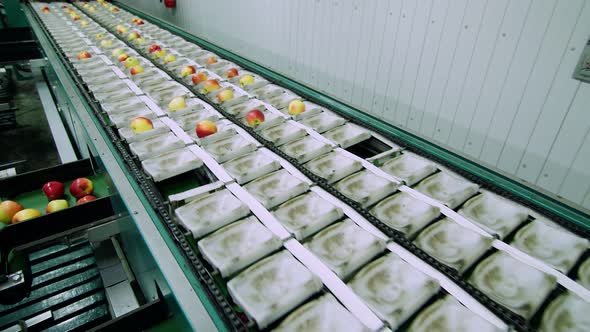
(511, 318)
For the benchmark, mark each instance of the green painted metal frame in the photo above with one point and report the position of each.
(52, 58)
(567, 212)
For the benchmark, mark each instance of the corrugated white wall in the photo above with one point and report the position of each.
(488, 78)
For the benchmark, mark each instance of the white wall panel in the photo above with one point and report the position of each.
(488, 78)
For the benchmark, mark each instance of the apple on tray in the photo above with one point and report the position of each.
(169, 58)
(187, 70)
(8, 209)
(176, 104)
(122, 57)
(57, 205)
(199, 78)
(130, 62)
(121, 29)
(85, 199)
(136, 70)
(205, 128)
(225, 95)
(159, 53)
(232, 72)
(54, 190)
(45, 9)
(81, 187)
(99, 36)
(132, 36)
(83, 23)
(84, 55)
(141, 124)
(153, 48)
(254, 118)
(210, 86)
(116, 52)
(211, 60)
(25, 214)
(106, 43)
(246, 80)
(296, 107)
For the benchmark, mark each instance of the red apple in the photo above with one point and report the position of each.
(84, 55)
(199, 77)
(211, 85)
(139, 22)
(136, 70)
(154, 48)
(141, 124)
(8, 209)
(56, 205)
(211, 60)
(81, 187)
(54, 190)
(85, 199)
(45, 9)
(205, 128)
(187, 70)
(122, 57)
(25, 214)
(254, 118)
(232, 72)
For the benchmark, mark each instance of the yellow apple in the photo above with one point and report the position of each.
(106, 43)
(225, 95)
(116, 52)
(56, 205)
(246, 80)
(141, 124)
(169, 58)
(176, 104)
(296, 107)
(211, 85)
(130, 62)
(25, 214)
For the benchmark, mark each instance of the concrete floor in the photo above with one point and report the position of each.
(31, 140)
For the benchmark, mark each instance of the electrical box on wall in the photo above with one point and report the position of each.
(582, 71)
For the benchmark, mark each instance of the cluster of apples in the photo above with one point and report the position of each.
(81, 189)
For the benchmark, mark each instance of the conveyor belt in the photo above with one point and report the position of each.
(398, 238)
(66, 287)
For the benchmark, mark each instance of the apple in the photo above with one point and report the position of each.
(169, 58)
(122, 57)
(296, 107)
(232, 72)
(106, 43)
(225, 95)
(114, 9)
(84, 55)
(140, 40)
(246, 80)
(136, 70)
(133, 20)
(121, 29)
(83, 23)
(205, 128)
(65, 7)
(85, 199)
(76, 17)
(25, 214)
(254, 118)
(81, 187)
(141, 124)
(159, 53)
(99, 36)
(211, 85)
(117, 52)
(153, 48)
(130, 62)
(198, 78)
(187, 70)
(54, 190)
(176, 104)
(139, 22)
(211, 60)
(45, 9)
(132, 36)
(8, 209)
(91, 8)
(56, 205)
